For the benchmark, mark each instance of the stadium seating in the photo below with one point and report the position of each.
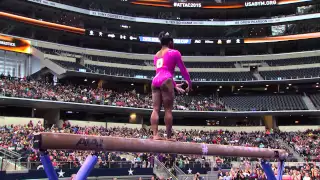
(150, 62)
(265, 102)
(294, 61)
(120, 71)
(196, 76)
(70, 65)
(120, 60)
(210, 64)
(291, 74)
(315, 98)
(222, 76)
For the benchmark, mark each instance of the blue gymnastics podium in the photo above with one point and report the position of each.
(82, 174)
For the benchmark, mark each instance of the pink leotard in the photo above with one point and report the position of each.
(165, 67)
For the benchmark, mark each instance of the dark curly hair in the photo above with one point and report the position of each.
(165, 38)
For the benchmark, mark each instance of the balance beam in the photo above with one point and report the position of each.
(44, 141)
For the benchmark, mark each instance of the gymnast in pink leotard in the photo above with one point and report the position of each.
(165, 67)
(163, 84)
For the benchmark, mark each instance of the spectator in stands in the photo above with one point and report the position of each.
(305, 143)
(227, 176)
(306, 176)
(197, 177)
(254, 174)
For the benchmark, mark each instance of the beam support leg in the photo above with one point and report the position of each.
(280, 169)
(48, 167)
(86, 167)
(267, 170)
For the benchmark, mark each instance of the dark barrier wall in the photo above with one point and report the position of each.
(196, 170)
(193, 170)
(37, 174)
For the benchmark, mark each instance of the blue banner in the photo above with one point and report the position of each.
(156, 40)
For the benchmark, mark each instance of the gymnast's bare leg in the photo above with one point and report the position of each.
(167, 93)
(154, 119)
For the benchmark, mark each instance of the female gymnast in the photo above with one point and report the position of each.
(163, 84)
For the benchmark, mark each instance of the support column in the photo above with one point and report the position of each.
(260, 122)
(29, 66)
(244, 50)
(135, 118)
(4, 63)
(33, 34)
(48, 167)
(267, 169)
(268, 121)
(274, 123)
(16, 73)
(280, 169)
(222, 51)
(32, 112)
(86, 167)
(270, 49)
(26, 67)
(51, 117)
(146, 88)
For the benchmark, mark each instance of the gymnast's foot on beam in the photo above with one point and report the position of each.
(171, 139)
(157, 137)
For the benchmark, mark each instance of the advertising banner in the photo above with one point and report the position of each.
(282, 38)
(156, 40)
(260, 3)
(15, 44)
(251, 3)
(221, 4)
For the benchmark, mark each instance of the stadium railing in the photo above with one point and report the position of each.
(37, 165)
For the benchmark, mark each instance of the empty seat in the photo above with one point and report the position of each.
(294, 61)
(291, 74)
(265, 102)
(196, 76)
(70, 65)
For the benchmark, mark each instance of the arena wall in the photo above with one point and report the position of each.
(18, 120)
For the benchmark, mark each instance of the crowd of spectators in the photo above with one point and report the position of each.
(24, 88)
(305, 143)
(19, 138)
(307, 172)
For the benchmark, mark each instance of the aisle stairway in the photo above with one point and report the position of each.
(286, 145)
(45, 62)
(180, 174)
(10, 160)
(257, 76)
(161, 171)
(308, 102)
